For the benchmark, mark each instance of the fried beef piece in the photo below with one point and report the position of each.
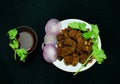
(72, 33)
(77, 35)
(83, 58)
(75, 59)
(80, 44)
(60, 37)
(68, 60)
(67, 47)
(87, 49)
(66, 32)
(72, 47)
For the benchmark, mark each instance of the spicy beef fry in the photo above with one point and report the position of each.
(72, 47)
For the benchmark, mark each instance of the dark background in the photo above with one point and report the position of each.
(35, 13)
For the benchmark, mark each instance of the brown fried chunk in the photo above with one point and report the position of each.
(72, 47)
(72, 33)
(68, 60)
(75, 59)
(67, 47)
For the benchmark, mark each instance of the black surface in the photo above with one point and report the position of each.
(35, 13)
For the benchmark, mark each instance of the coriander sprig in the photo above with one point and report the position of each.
(97, 53)
(78, 25)
(14, 44)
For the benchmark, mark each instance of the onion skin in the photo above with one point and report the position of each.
(42, 46)
(50, 53)
(50, 38)
(53, 26)
(52, 29)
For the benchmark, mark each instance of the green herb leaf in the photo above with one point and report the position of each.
(88, 34)
(74, 25)
(91, 34)
(82, 26)
(78, 25)
(12, 45)
(12, 33)
(22, 53)
(16, 45)
(95, 31)
(98, 54)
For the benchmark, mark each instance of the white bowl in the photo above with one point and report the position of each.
(60, 64)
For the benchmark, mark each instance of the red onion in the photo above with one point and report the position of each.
(50, 38)
(50, 53)
(42, 46)
(53, 26)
